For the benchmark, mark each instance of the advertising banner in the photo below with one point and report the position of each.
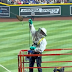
(40, 11)
(70, 10)
(4, 11)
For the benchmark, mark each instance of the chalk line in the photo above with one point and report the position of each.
(5, 68)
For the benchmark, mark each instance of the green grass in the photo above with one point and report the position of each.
(14, 36)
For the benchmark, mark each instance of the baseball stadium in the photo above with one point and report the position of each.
(16, 38)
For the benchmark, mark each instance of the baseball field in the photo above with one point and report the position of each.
(14, 37)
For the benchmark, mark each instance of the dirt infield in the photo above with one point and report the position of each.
(36, 19)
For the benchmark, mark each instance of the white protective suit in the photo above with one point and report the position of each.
(35, 37)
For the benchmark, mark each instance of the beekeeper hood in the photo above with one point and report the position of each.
(42, 32)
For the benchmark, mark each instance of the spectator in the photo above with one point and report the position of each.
(19, 2)
(50, 2)
(23, 2)
(58, 1)
(30, 2)
(2, 1)
(27, 2)
(47, 1)
(37, 2)
(65, 1)
(34, 2)
(43, 2)
(12, 2)
(15, 2)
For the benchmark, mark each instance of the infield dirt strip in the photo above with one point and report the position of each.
(36, 19)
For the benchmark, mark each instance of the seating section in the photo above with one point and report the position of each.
(35, 1)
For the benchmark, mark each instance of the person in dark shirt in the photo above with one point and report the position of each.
(58, 1)
(12, 2)
(1, 1)
(27, 2)
(34, 2)
(24, 1)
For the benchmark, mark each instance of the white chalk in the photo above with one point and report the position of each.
(5, 68)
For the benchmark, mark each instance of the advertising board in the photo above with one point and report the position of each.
(4, 11)
(40, 11)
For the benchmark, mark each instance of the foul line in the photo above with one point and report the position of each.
(5, 68)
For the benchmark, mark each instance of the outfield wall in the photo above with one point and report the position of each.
(45, 10)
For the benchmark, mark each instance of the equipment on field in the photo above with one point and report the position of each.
(20, 18)
(59, 69)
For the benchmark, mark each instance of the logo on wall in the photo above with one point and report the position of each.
(4, 11)
(40, 11)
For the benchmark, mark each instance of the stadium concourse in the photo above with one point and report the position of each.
(36, 19)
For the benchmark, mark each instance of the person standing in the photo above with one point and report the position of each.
(32, 15)
(38, 46)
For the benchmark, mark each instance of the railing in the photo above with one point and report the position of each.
(21, 59)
